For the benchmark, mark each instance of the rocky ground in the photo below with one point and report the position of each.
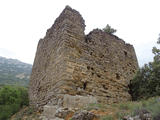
(142, 110)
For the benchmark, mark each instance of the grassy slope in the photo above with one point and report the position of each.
(118, 111)
(106, 112)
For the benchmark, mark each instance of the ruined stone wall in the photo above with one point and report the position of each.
(101, 66)
(68, 62)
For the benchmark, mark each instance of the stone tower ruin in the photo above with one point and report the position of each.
(69, 63)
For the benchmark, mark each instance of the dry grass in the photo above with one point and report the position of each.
(118, 111)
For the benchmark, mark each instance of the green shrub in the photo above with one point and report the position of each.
(96, 106)
(12, 98)
(123, 106)
(107, 117)
(109, 30)
(120, 115)
(146, 83)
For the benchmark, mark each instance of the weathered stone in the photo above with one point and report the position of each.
(157, 117)
(63, 112)
(84, 115)
(69, 62)
(77, 101)
(145, 114)
(49, 111)
(141, 114)
(131, 118)
(45, 118)
(127, 117)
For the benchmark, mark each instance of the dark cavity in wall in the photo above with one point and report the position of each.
(104, 86)
(88, 67)
(125, 53)
(117, 76)
(84, 85)
(98, 75)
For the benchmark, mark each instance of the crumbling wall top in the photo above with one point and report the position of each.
(68, 16)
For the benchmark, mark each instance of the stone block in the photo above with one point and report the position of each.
(78, 101)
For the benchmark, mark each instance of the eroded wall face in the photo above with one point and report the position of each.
(102, 66)
(68, 62)
(49, 74)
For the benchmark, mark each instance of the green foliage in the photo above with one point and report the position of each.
(30, 112)
(12, 98)
(158, 39)
(95, 106)
(123, 106)
(120, 115)
(146, 83)
(156, 51)
(130, 108)
(152, 105)
(107, 117)
(109, 30)
(118, 111)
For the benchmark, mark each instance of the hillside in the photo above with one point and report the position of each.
(131, 110)
(13, 71)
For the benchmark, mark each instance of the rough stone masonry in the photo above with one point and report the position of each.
(96, 67)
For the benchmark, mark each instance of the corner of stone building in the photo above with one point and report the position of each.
(70, 66)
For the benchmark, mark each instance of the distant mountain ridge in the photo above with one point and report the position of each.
(13, 71)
